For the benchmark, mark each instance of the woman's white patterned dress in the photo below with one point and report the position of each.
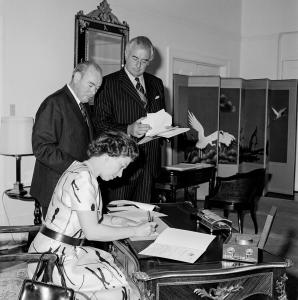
(91, 272)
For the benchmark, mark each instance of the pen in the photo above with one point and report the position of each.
(122, 205)
(150, 218)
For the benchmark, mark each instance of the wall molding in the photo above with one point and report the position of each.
(285, 50)
(174, 54)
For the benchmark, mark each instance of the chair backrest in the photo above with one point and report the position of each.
(241, 187)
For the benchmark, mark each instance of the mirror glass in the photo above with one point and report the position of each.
(105, 49)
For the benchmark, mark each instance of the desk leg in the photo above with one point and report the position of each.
(173, 194)
(191, 198)
(186, 194)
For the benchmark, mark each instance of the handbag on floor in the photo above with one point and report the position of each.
(33, 289)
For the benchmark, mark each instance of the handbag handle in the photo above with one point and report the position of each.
(63, 283)
(42, 266)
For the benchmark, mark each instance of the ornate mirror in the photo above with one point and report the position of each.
(99, 36)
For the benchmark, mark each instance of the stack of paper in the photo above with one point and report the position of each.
(187, 166)
(178, 244)
(118, 205)
(158, 122)
(161, 126)
(137, 215)
(137, 212)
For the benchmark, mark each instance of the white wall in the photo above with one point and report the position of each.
(211, 28)
(262, 22)
(264, 27)
(37, 46)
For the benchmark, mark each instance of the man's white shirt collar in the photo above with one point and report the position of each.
(74, 95)
(133, 80)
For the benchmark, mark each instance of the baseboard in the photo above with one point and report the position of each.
(281, 196)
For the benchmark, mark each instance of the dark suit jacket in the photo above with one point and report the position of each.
(118, 104)
(60, 136)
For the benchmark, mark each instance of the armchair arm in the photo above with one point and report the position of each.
(19, 228)
(32, 257)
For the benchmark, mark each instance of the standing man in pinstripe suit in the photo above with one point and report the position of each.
(125, 98)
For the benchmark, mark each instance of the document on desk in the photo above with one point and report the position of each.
(137, 215)
(178, 244)
(118, 205)
(161, 126)
(187, 166)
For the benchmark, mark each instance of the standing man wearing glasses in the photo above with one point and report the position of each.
(125, 98)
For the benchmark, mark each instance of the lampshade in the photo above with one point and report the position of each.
(15, 135)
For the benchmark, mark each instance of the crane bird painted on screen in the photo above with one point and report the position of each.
(280, 113)
(223, 137)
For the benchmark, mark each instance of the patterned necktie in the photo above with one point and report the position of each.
(86, 118)
(141, 90)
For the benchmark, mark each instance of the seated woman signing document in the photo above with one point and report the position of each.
(75, 213)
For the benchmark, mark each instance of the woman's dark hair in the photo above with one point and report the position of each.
(113, 143)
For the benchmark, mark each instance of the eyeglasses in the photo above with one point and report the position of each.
(143, 62)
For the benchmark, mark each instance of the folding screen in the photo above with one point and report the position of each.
(196, 106)
(248, 124)
(282, 123)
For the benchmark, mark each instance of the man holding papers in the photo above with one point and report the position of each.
(126, 97)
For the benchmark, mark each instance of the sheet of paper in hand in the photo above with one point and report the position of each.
(158, 122)
(118, 205)
(161, 126)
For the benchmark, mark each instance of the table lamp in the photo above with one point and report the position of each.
(15, 134)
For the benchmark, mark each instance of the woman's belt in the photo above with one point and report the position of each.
(61, 237)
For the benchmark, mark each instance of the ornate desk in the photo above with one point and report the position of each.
(209, 277)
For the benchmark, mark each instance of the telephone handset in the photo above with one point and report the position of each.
(213, 221)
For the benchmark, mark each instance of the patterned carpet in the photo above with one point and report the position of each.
(11, 280)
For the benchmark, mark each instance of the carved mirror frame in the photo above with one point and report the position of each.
(101, 37)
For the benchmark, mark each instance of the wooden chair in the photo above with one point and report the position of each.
(31, 229)
(237, 193)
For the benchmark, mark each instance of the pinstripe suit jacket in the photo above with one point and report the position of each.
(60, 136)
(118, 104)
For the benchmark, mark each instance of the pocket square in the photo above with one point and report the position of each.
(156, 97)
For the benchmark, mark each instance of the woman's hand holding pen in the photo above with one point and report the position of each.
(145, 229)
(140, 229)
